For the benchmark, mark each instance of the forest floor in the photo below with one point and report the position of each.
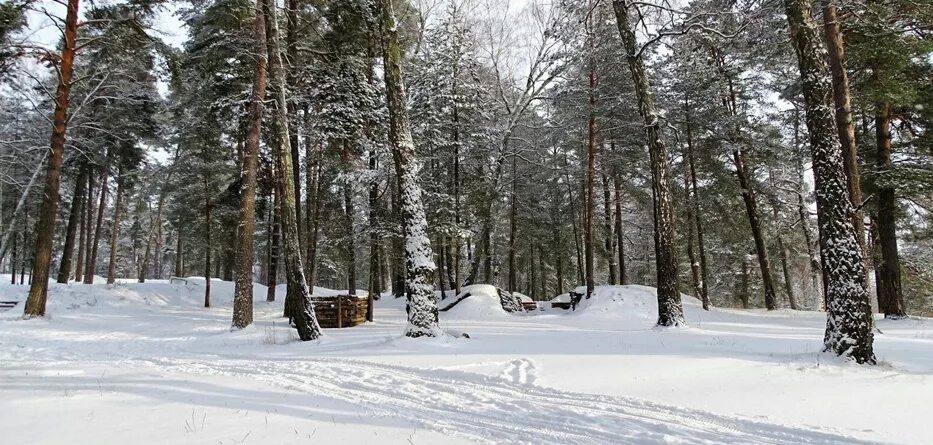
(146, 364)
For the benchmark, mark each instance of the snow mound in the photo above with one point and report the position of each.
(476, 301)
(630, 302)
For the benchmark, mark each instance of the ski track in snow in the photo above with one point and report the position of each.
(505, 409)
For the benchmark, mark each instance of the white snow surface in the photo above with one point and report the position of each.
(147, 363)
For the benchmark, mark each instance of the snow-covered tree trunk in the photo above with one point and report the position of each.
(845, 126)
(670, 307)
(303, 316)
(849, 319)
(243, 276)
(45, 228)
(419, 264)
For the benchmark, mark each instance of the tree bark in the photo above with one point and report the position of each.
(694, 203)
(115, 228)
(87, 210)
(77, 209)
(607, 228)
(670, 307)
(890, 293)
(589, 202)
(845, 126)
(620, 235)
(45, 228)
(303, 316)
(91, 261)
(422, 306)
(849, 320)
(243, 277)
(208, 208)
(751, 209)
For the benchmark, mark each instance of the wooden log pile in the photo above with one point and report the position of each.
(341, 311)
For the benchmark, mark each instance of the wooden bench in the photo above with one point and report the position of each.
(341, 311)
(7, 305)
(565, 305)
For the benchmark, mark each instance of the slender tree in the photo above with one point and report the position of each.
(45, 228)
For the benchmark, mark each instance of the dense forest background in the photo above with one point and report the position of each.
(529, 131)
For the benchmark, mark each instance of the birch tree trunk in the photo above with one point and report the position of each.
(45, 228)
(670, 307)
(849, 320)
(419, 264)
(303, 315)
(243, 277)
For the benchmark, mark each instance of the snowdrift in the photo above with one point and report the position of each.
(477, 301)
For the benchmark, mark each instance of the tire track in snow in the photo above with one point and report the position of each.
(502, 410)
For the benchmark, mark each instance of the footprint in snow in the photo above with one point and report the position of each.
(521, 371)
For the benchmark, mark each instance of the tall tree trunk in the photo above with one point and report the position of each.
(691, 253)
(849, 320)
(87, 210)
(291, 55)
(589, 209)
(422, 306)
(90, 264)
(620, 235)
(845, 125)
(208, 207)
(315, 203)
(303, 315)
(513, 226)
(154, 231)
(350, 244)
(77, 209)
(670, 307)
(275, 249)
(804, 215)
(751, 210)
(607, 228)
(785, 267)
(45, 228)
(115, 229)
(694, 203)
(179, 264)
(243, 277)
(457, 221)
(890, 293)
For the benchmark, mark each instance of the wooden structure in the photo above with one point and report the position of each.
(7, 305)
(341, 311)
(530, 305)
(565, 305)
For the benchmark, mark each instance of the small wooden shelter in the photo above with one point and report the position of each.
(342, 311)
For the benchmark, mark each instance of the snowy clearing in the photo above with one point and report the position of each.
(146, 361)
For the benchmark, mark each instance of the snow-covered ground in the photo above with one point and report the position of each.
(147, 364)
